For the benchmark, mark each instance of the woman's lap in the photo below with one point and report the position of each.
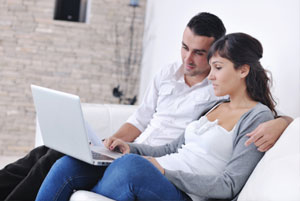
(133, 177)
(66, 175)
(130, 177)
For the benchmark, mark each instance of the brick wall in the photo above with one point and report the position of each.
(87, 59)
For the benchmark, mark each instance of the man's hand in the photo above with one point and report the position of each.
(267, 133)
(155, 163)
(113, 144)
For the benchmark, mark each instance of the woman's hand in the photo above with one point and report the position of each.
(155, 163)
(114, 144)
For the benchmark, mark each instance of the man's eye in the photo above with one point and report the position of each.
(185, 47)
(218, 67)
(200, 53)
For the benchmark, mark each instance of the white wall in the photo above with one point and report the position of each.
(274, 22)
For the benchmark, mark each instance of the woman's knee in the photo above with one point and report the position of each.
(129, 167)
(64, 162)
(127, 162)
(132, 160)
(62, 166)
(122, 174)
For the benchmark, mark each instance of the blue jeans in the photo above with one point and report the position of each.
(130, 177)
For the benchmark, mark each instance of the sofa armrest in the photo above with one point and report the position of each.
(104, 119)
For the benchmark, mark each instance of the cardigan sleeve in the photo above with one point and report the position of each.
(157, 151)
(228, 183)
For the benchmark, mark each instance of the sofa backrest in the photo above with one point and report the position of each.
(277, 175)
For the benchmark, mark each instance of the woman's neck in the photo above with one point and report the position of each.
(241, 99)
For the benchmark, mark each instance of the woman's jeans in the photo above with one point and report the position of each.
(130, 177)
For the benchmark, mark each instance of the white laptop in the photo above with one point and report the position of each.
(64, 129)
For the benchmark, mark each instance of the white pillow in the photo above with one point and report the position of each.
(277, 175)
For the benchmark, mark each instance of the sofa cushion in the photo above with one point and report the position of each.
(82, 195)
(277, 175)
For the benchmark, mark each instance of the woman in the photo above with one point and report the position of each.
(209, 161)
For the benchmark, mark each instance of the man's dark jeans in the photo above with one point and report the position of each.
(22, 179)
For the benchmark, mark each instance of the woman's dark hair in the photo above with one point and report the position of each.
(240, 49)
(207, 24)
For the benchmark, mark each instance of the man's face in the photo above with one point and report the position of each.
(194, 52)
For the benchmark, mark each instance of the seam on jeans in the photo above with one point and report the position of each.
(121, 194)
(60, 190)
(68, 180)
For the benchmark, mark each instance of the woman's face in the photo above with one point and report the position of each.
(225, 79)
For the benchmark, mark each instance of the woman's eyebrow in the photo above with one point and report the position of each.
(217, 62)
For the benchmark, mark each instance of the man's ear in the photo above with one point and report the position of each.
(244, 70)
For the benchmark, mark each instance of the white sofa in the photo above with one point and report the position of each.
(276, 177)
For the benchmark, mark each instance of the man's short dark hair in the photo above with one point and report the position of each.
(207, 24)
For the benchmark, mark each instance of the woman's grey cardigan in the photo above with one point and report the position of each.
(228, 183)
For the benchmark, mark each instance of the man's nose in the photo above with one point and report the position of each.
(188, 57)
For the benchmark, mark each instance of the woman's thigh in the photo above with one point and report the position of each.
(66, 175)
(133, 177)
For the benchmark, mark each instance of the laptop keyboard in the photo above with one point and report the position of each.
(98, 156)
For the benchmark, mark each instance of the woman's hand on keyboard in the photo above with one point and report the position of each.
(115, 144)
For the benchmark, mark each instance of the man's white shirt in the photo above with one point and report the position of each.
(169, 105)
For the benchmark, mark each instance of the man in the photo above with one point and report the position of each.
(176, 97)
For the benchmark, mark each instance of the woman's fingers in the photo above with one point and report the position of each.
(121, 145)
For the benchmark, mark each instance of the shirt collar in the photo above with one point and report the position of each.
(179, 76)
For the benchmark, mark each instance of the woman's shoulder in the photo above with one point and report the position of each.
(261, 109)
(258, 114)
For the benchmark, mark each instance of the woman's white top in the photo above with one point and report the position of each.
(207, 149)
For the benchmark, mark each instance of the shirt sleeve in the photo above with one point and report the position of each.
(142, 116)
(228, 183)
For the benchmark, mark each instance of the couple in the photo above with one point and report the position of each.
(177, 96)
(210, 159)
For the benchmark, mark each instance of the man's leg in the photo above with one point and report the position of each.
(31, 172)
(12, 174)
(133, 177)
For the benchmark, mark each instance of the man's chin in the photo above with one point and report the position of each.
(191, 73)
(188, 72)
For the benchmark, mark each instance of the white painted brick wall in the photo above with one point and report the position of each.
(87, 59)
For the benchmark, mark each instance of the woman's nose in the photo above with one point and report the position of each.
(211, 75)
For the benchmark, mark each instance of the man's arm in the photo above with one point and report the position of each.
(139, 121)
(267, 133)
(127, 133)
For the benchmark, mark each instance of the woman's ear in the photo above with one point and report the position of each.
(244, 70)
